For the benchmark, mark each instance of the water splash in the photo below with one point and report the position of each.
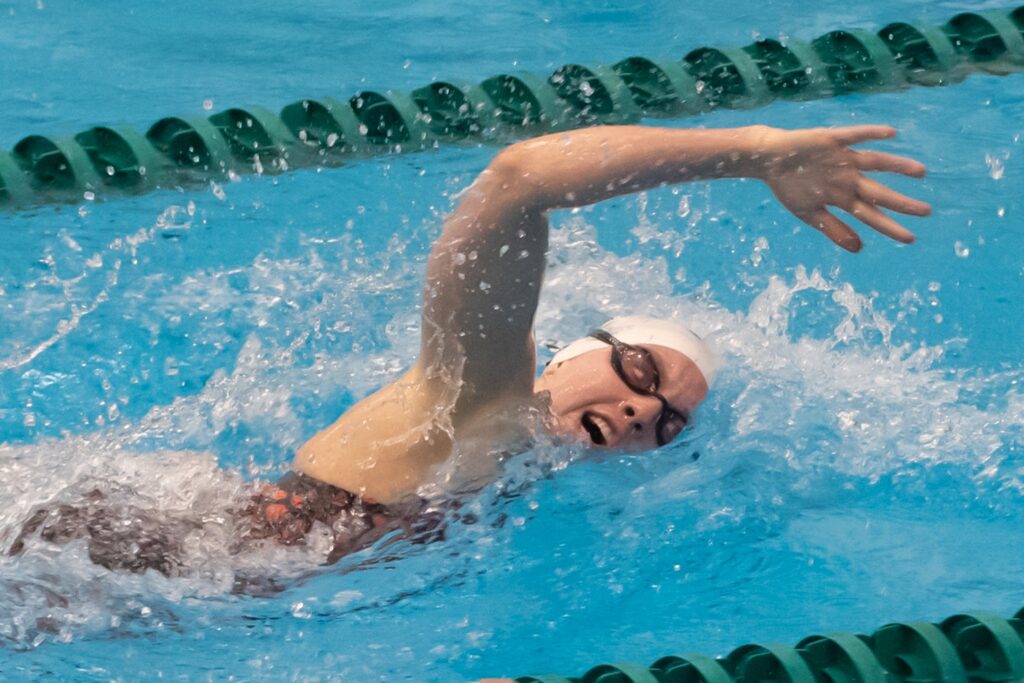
(816, 402)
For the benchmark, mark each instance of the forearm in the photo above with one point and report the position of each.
(585, 166)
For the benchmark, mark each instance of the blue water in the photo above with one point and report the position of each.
(860, 459)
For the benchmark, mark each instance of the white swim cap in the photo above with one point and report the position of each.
(642, 330)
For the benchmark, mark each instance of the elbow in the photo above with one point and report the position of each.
(515, 171)
(512, 164)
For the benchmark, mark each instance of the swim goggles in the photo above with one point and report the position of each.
(635, 366)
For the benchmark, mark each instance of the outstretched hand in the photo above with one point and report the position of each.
(810, 170)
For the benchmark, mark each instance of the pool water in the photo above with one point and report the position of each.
(860, 461)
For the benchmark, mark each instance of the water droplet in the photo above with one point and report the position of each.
(996, 165)
(208, 105)
(460, 258)
(684, 206)
(961, 249)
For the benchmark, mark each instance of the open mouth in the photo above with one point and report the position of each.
(595, 426)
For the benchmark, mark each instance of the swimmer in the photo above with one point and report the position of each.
(632, 385)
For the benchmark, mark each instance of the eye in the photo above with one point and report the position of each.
(673, 425)
(639, 370)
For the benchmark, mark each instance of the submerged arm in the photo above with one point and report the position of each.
(485, 271)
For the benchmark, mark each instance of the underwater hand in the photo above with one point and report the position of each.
(810, 170)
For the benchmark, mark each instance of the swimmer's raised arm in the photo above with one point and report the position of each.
(808, 170)
(485, 271)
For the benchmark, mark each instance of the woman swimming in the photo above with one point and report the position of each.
(630, 386)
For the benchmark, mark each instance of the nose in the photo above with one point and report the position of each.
(640, 414)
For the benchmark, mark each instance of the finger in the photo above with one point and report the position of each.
(874, 192)
(835, 229)
(851, 135)
(871, 216)
(890, 163)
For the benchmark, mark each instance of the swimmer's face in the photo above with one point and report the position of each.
(592, 404)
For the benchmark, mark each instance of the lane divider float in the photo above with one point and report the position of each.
(177, 151)
(965, 648)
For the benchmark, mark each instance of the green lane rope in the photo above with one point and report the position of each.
(965, 648)
(326, 132)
